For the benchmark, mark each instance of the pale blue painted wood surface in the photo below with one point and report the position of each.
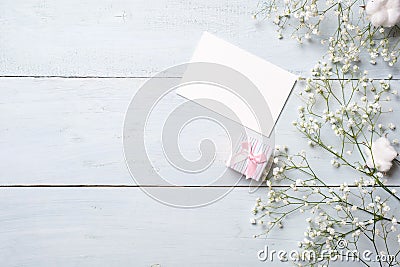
(67, 130)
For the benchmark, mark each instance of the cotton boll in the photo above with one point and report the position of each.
(373, 6)
(382, 155)
(384, 13)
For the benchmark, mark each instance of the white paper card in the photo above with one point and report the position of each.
(274, 83)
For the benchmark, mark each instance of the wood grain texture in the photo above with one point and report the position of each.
(69, 131)
(123, 227)
(136, 38)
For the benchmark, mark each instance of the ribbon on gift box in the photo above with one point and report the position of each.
(246, 153)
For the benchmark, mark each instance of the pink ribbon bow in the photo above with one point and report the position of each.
(253, 160)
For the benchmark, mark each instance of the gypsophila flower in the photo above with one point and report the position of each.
(335, 163)
(342, 106)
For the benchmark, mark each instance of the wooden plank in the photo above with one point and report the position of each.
(135, 38)
(124, 227)
(69, 131)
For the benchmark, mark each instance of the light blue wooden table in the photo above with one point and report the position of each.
(68, 70)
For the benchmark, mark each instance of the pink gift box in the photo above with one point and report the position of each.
(251, 157)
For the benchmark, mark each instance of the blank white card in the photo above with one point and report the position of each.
(274, 83)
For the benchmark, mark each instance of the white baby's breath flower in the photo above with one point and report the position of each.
(335, 163)
(356, 118)
(338, 207)
(275, 171)
(382, 155)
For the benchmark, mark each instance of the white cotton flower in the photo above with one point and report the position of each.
(382, 155)
(384, 13)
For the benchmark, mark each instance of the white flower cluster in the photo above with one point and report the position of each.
(350, 37)
(341, 116)
(326, 225)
